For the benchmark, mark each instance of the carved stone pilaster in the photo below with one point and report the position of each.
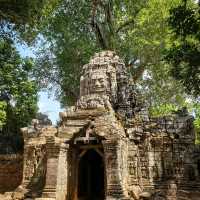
(53, 150)
(34, 156)
(114, 188)
(62, 176)
(27, 168)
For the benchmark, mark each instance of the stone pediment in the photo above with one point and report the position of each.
(105, 124)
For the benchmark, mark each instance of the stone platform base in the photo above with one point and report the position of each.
(45, 199)
(113, 198)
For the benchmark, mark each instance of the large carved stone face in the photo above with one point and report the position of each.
(98, 82)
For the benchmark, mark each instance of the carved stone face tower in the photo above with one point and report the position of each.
(106, 77)
(99, 76)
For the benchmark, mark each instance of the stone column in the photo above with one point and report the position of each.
(62, 177)
(53, 150)
(28, 166)
(113, 175)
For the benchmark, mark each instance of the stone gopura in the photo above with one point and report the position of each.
(107, 146)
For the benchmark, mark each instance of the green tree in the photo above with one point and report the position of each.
(184, 53)
(16, 86)
(146, 42)
(24, 17)
(137, 30)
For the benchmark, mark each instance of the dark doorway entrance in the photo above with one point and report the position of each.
(91, 176)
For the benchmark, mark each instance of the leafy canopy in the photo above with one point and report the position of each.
(25, 17)
(137, 30)
(184, 53)
(18, 103)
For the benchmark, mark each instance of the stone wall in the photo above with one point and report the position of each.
(11, 171)
(162, 156)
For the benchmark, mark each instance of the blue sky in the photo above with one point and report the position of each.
(47, 105)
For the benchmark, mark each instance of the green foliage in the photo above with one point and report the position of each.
(67, 46)
(197, 129)
(15, 81)
(162, 110)
(24, 16)
(149, 38)
(184, 53)
(186, 62)
(184, 20)
(196, 110)
(2, 113)
(137, 30)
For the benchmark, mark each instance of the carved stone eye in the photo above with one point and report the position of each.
(101, 80)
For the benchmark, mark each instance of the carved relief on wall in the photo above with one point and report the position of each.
(94, 101)
(145, 172)
(34, 164)
(132, 166)
(155, 172)
(111, 163)
(172, 189)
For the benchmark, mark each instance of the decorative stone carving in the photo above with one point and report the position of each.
(98, 84)
(94, 102)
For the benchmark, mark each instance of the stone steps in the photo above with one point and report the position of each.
(183, 195)
(183, 198)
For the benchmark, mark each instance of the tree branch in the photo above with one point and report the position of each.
(97, 28)
(99, 34)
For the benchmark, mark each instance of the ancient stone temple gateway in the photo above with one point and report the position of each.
(107, 147)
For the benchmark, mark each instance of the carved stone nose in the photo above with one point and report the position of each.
(97, 83)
